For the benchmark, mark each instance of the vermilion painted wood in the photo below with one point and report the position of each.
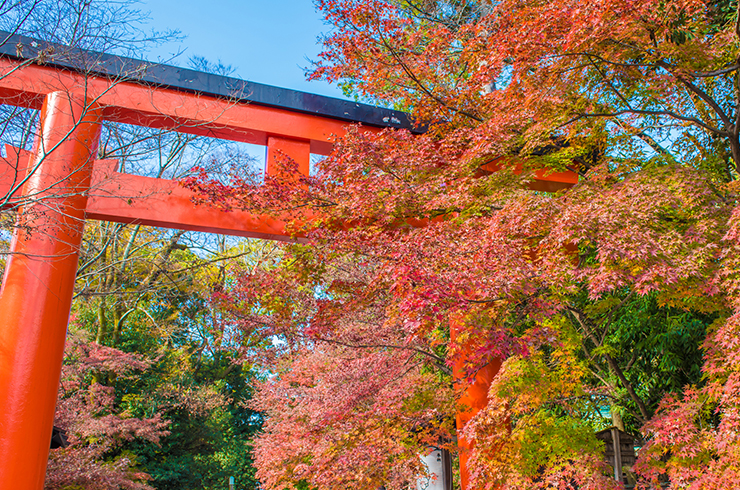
(37, 288)
(544, 180)
(126, 198)
(299, 151)
(474, 399)
(134, 199)
(128, 102)
(12, 175)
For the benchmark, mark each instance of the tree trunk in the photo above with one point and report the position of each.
(102, 321)
(117, 324)
(617, 419)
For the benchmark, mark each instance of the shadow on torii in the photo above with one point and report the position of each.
(75, 91)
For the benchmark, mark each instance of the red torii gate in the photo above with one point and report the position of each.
(67, 186)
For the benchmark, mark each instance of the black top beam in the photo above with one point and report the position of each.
(24, 48)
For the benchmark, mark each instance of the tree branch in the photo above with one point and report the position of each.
(613, 365)
(439, 361)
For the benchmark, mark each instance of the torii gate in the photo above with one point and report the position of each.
(61, 170)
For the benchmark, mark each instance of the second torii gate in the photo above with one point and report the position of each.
(65, 186)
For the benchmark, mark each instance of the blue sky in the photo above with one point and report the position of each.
(265, 41)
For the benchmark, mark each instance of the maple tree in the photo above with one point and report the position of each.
(580, 291)
(93, 426)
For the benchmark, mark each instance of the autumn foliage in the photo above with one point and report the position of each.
(613, 302)
(93, 424)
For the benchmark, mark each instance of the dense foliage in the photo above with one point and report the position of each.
(613, 302)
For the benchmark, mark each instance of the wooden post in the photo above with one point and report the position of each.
(37, 289)
(472, 401)
(617, 454)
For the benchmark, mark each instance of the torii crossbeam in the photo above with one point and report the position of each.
(64, 185)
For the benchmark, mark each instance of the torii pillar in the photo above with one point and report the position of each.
(473, 399)
(37, 290)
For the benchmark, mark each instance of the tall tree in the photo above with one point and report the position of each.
(588, 294)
